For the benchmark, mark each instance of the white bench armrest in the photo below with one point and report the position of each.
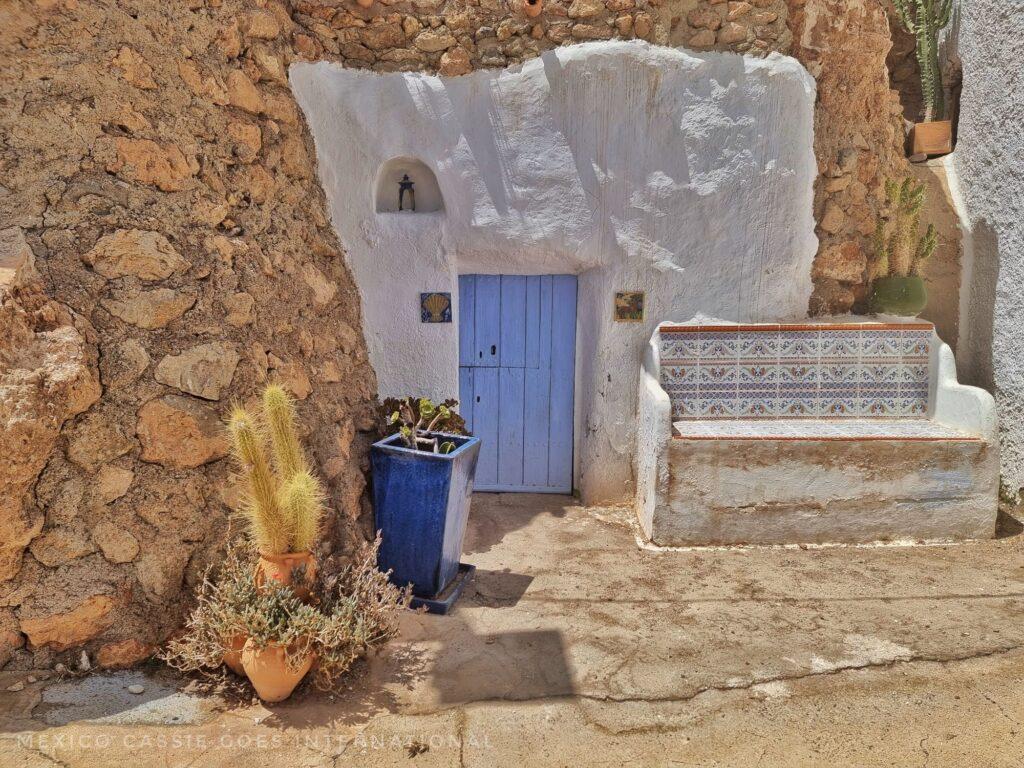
(969, 409)
(654, 434)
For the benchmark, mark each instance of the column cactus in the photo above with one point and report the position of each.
(923, 19)
(285, 503)
(900, 251)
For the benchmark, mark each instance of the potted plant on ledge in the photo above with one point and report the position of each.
(422, 481)
(924, 19)
(900, 254)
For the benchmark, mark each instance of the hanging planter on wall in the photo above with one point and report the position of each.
(532, 8)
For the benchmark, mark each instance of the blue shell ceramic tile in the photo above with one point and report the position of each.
(435, 307)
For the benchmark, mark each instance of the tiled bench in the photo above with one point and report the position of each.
(812, 432)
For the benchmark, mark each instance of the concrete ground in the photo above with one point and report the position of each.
(575, 647)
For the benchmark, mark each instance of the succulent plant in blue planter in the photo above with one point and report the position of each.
(422, 484)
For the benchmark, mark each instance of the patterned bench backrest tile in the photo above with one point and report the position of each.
(811, 370)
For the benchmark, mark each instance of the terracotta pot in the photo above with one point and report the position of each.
(279, 568)
(269, 673)
(233, 656)
(934, 138)
(904, 296)
(533, 8)
(364, 3)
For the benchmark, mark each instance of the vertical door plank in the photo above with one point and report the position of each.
(467, 311)
(466, 396)
(513, 321)
(487, 314)
(511, 382)
(533, 313)
(538, 391)
(563, 365)
(486, 404)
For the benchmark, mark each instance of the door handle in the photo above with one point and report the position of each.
(494, 350)
(478, 398)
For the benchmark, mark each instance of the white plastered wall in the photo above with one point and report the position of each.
(688, 176)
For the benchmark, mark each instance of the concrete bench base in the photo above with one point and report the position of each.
(767, 491)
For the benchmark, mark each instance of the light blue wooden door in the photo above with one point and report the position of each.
(517, 342)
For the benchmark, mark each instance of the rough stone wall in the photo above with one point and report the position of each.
(904, 71)
(155, 168)
(858, 138)
(986, 38)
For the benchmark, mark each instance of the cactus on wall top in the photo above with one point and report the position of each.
(899, 251)
(284, 505)
(923, 19)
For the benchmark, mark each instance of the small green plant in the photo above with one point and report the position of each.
(923, 19)
(284, 504)
(277, 617)
(415, 419)
(899, 250)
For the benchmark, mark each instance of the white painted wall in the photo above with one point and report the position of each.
(987, 37)
(636, 167)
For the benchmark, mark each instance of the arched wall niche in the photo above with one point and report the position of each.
(427, 191)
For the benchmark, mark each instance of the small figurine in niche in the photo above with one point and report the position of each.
(405, 185)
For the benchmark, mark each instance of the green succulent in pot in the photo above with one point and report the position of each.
(901, 253)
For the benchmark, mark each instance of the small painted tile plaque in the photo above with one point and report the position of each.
(629, 306)
(435, 307)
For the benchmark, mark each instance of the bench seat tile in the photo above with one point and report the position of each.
(815, 429)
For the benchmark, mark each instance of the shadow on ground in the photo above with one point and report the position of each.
(514, 512)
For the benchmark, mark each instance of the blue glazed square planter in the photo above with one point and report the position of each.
(421, 505)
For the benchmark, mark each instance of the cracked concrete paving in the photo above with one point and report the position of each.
(575, 646)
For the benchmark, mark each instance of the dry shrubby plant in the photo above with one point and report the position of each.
(361, 607)
(356, 608)
(221, 601)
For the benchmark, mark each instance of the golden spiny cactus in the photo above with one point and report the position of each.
(285, 502)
